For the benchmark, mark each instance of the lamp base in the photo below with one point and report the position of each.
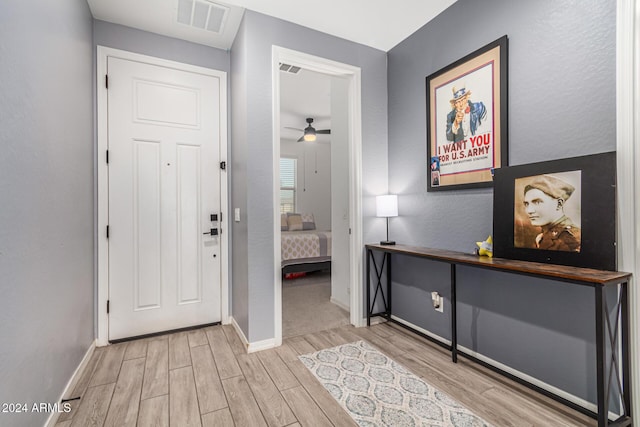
(387, 242)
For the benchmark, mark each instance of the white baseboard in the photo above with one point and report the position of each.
(374, 321)
(262, 345)
(240, 333)
(545, 386)
(340, 304)
(360, 323)
(424, 331)
(548, 387)
(53, 417)
(252, 347)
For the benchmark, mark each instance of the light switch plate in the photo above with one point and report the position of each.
(236, 215)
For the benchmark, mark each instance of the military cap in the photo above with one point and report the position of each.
(554, 187)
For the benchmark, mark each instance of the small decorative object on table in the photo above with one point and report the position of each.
(485, 248)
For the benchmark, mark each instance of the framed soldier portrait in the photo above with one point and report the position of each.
(558, 212)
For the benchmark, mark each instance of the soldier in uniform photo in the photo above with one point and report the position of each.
(544, 200)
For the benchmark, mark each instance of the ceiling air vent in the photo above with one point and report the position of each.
(289, 68)
(202, 14)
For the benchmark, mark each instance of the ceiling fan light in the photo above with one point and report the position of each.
(309, 133)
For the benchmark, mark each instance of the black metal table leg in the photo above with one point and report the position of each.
(609, 374)
(388, 255)
(626, 365)
(386, 259)
(454, 323)
(369, 254)
(602, 400)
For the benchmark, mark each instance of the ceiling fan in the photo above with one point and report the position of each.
(310, 132)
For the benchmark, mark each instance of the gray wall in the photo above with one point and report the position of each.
(561, 104)
(146, 43)
(46, 189)
(251, 135)
(238, 174)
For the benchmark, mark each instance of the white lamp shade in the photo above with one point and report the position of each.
(387, 205)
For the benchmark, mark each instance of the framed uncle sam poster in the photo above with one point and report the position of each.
(467, 120)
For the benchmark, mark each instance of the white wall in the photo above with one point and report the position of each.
(313, 179)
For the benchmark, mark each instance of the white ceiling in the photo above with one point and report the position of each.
(161, 17)
(381, 24)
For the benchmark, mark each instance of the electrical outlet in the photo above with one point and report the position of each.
(438, 302)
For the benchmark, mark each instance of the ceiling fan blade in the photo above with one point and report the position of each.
(301, 139)
(298, 129)
(324, 131)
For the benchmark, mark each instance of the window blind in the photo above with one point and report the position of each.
(288, 168)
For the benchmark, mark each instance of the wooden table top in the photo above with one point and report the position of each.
(553, 271)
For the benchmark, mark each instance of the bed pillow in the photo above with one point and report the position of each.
(308, 222)
(295, 221)
(284, 225)
(299, 221)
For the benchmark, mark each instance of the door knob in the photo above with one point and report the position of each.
(212, 232)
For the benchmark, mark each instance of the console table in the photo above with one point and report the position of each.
(616, 334)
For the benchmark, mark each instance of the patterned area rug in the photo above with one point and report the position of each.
(376, 391)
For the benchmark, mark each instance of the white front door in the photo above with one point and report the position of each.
(164, 185)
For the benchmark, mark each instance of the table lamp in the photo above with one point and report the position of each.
(386, 207)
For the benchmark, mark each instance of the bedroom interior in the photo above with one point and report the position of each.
(305, 179)
(572, 85)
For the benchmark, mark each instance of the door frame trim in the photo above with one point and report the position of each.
(103, 180)
(353, 74)
(628, 163)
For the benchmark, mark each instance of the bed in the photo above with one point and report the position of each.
(304, 249)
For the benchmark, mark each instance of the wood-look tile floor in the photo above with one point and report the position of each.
(205, 378)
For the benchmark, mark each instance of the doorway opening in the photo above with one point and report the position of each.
(317, 192)
(312, 161)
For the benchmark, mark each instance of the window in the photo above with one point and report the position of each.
(288, 169)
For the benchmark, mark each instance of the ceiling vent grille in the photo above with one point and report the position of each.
(202, 14)
(289, 68)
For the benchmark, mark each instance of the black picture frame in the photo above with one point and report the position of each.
(596, 175)
(466, 158)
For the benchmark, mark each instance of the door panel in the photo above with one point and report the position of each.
(189, 266)
(146, 229)
(164, 182)
(155, 104)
